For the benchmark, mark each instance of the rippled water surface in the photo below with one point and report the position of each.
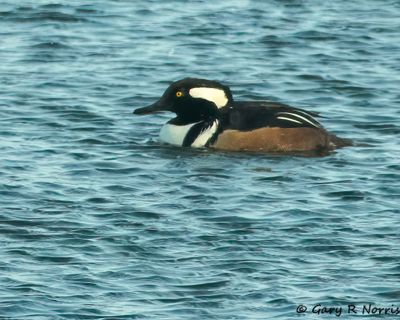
(99, 220)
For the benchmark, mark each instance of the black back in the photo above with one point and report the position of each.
(250, 115)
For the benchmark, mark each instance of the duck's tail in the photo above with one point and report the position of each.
(336, 142)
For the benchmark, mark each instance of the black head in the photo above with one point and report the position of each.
(192, 100)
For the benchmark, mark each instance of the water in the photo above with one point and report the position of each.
(99, 220)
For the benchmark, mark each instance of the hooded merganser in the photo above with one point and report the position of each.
(207, 116)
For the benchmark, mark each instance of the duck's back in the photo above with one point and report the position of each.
(250, 115)
(273, 127)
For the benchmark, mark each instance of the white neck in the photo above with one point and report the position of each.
(175, 134)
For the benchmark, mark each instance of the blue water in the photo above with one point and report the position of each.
(99, 220)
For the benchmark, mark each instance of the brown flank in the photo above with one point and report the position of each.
(278, 140)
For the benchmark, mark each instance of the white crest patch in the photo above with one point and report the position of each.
(215, 95)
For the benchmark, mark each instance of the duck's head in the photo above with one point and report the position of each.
(192, 100)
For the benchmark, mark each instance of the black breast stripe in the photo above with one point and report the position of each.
(195, 131)
(192, 134)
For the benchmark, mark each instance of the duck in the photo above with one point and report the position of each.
(207, 116)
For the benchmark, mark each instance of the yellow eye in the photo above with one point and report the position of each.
(179, 94)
